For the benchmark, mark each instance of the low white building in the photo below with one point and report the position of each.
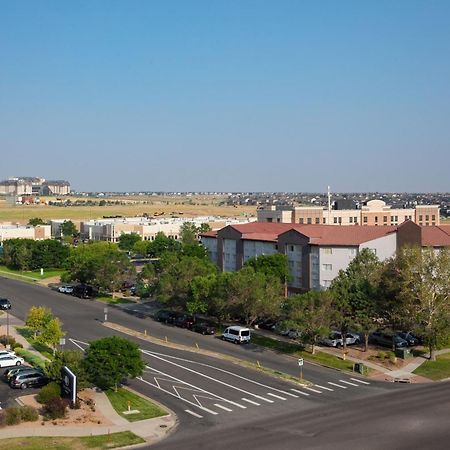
(16, 231)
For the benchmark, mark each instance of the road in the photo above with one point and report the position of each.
(213, 396)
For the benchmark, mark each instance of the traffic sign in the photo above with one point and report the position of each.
(300, 362)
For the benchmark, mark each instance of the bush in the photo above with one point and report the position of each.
(31, 358)
(13, 415)
(381, 355)
(55, 408)
(29, 414)
(8, 340)
(392, 357)
(52, 390)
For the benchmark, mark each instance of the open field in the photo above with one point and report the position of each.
(436, 370)
(189, 206)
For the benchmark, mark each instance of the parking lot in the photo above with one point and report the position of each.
(8, 395)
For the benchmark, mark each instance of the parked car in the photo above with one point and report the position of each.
(238, 335)
(203, 328)
(290, 333)
(386, 339)
(9, 373)
(166, 316)
(84, 291)
(184, 321)
(66, 289)
(5, 304)
(409, 338)
(266, 324)
(10, 360)
(7, 352)
(335, 339)
(24, 380)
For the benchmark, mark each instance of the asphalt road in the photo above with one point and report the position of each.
(214, 397)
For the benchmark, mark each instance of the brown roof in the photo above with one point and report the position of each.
(437, 236)
(212, 234)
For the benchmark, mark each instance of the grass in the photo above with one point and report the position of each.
(28, 334)
(113, 301)
(435, 370)
(147, 410)
(32, 275)
(298, 350)
(105, 441)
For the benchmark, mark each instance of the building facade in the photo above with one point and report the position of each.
(15, 231)
(18, 186)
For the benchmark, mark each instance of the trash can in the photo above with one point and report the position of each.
(403, 353)
(360, 368)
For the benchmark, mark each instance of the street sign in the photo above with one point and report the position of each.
(300, 362)
(69, 384)
(105, 310)
(62, 341)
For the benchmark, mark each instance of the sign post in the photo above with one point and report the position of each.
(300, 363)
(69, 384)
(105, 310)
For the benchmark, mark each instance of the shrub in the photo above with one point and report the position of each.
(52, 390)
(17, 345)
(29, 414)
(55, 408)
(381, 355)
(31, 358)
(8, 340)
(13, 415)
(392, 357)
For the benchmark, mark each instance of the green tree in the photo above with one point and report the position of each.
(68, 229)
(162, 244)
(109, 360)
(425, 292)
(51, 333)
(36, 221)
(204, 228)
(146, 281)
(74, 360)
(200, 294)
(18, 253)
(188, 233)
(128, 240)
(311, 313)
(38, 319)
(275, 265)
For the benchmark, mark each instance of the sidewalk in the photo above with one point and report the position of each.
(151, 430)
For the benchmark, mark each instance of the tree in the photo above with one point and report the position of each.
(109, 360)
(38, 318)
(68, 229)
(425, 292)
(146, 281)
(203, 228)
(36, 221)
(73, 359)
(188, 233)
(276, 265)
(201, 289)
(355, 293)
(311, 313)
(128, 240)
(51, 333)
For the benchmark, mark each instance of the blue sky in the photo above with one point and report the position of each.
(227, 95)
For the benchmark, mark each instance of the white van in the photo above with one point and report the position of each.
(238, 335)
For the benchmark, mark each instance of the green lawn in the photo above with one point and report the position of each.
(435, 370)
(147, 410)
(105, 441)
(32, 275)
(299, 351)
(113, 301)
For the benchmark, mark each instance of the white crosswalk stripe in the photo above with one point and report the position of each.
(276, 396)
(312, 390)
(299, 392)
(324, 387)
(359, 381)
(222, 407)
(337, 385)
(349, 382)
(251, 402)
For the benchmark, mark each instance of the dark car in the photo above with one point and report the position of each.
(184, 321)
(5, 303)
(409, 338)
(267, 324)
(9, 373)
(387, 340)
(203, 328)
(166, 316)
(25, 380)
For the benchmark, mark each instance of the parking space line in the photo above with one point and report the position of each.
(324, 387)
(194, 413)
(348, 382)
(299, 392)
(250, 401)
(359, 381)
(312, 390)
(276, 396)
(337, 385)
(222, 407)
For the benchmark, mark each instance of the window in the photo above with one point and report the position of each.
(317, 219)
(324, 220)
(340, 220)
(365, 219)
(269, 219)
(392, 218)
(420, 218)
(301, 220)
(292, 248)
(350, 219)
(276, 246)
(427, 217)
(396, 218)
(326, 283)
(309, 220)
(376, 219)
(384, 218)
(335, 220)
(352, 251)
(433, 217)
(327, 251)
(355, 219)
(327, 267)
(278, 220)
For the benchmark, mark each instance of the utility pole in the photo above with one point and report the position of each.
(329, 205)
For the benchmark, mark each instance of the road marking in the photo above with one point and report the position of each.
(312, 390)
(348, 382)
(222, 407)
(324, 387)
(280, 391)
(299, 392)
(359, 381)
(276, 396)
(194, 413)
(250, 401)
(337, 385)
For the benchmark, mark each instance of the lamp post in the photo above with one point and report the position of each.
(7, 329)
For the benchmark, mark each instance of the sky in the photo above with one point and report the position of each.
(230, 95)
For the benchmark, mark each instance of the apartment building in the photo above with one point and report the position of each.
(15, 231)
(373, 213)
(315, 253)
(18, 186)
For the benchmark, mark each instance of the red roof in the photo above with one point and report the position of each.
(438, 236)
(212, 234)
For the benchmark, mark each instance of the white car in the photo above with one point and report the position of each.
(7, 353)
(66, 289)
(10, 360)
(335, 339)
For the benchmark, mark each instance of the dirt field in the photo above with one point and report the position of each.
(191, 206)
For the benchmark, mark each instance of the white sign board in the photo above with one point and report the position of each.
(300, 362)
